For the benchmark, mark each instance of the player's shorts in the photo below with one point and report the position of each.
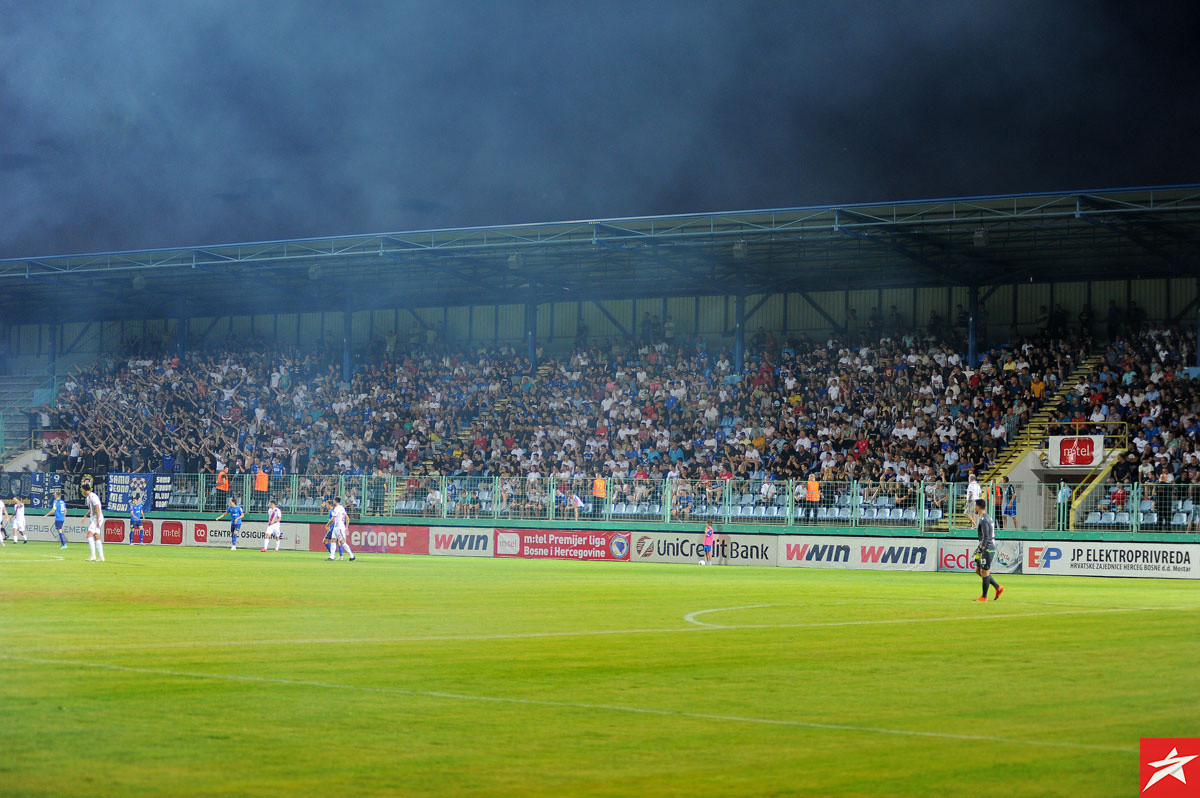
(708, 548)
(58, 525)
(1010, 509)
(339, 535)
(236, 529)
(94, 529)
(274, 531)
(19, 527)
(985, 559)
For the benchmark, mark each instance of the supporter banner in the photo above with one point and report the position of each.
(16, 484)
(376, 538)
(1162, 560)
(875, 554)
(1076, 450)
(956, 556)
(688, 547)
(461, 541)
(152, 491)
(557, 544)
(37, 492)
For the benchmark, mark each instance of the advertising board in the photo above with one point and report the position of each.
(558, 544)
(1068, 558)
(687, 547)
(875, 554)
(956, 556)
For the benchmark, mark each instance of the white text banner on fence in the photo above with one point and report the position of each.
(1068, 558)
(875, 554)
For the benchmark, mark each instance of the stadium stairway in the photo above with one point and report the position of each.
(1033, 433)
(1030, 438)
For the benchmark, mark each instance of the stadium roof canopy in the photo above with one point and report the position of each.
(1124, 233)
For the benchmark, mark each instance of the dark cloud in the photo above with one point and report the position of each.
(129, 125)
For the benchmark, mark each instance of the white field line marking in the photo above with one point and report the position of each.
(691, 616)
(26, 557)
(570, 705)
(575, 633)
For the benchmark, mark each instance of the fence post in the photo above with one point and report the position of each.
(855, 502)
(921, 506)
(725, 501)
(495, 497)
(665, 497)
(443, 506)
(552, 497)
(201, 492)
(951, 501)
(791, 502)
(1135, 508)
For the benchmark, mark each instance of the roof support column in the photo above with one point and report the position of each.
(52, 349)
(531, 311)
(972, 316)
(347, 326)
(739, 331)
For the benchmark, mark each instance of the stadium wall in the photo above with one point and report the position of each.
(705, 316)
(827, 548)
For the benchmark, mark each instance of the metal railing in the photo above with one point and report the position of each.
(933, 506)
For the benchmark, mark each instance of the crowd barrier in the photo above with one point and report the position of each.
(1059, 558)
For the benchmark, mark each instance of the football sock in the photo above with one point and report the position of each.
(62, 538)
(235, 538)
(993, 582)
(346, 548)
(100, 548)
(332, 550)
(986, 582)
(92, 546)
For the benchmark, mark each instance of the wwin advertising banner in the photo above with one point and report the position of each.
(875, 554)
(1066, 558)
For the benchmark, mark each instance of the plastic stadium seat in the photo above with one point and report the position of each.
(844, 513)
(1123, 518)
(1108, 518)
(1187, 506)
(1180, 519)
(935, 514)
(1146, 506)
(1148, 519)
(910, 514)
(1093, 518)
(823, 513)
(868, 514)
(897, 514)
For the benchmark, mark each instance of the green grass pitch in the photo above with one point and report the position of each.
(208, 672)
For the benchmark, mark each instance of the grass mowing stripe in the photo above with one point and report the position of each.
(698, 627)
(232, 677)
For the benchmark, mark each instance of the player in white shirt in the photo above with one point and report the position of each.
(3, 521)
(337, 530)
(19, 521)
(274, 525)
(95, 524)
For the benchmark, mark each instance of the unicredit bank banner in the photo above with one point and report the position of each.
(556, 544)
(1161, 560)
(875, 554)
(688, 547)
(956, 556)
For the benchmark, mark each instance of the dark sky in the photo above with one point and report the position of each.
(132, 125)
